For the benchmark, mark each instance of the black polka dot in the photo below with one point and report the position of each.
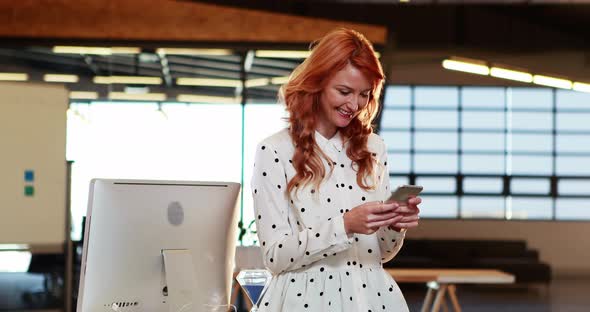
(330, 277)
(274, 226)
(280, 245)
(291, 161)
(292, 280)
(379, 294)
(311, 280)
(383, 307)
(342, 184)
(264, 174)
(340, 289)
(325, 255)
(385, 163)
(329, 200)
(255, 191)
(307, 253)
(350, 187)
(279, 186)
(276, 160)
(374, 154)
(263, 243)
(292, 259)
(263, 147)
(271, 260)
(390, 288)
(312, 191)
(322, 268)
(299, 295)
(321, 293)
(342, 165)
(259, 217)
(299, 243)
(356, 239)
(353, 262)
(364, 285)
(305, 305)
(370, 251)
(266, 304)
(347, 274)
(302, 209)
(341, 210)
(336, 185)
(363, 198)
(317, 234)
(351, 298)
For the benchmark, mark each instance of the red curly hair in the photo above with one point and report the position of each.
(301, 95)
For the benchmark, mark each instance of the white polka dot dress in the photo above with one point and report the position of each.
(316, 266)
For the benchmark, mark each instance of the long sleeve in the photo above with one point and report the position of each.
(390, 240)
(285, 247)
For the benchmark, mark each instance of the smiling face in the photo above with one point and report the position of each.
(346, 94)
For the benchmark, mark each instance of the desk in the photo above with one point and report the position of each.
(442, 281)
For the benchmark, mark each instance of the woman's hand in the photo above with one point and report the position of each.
(409, 211)
(368, 218)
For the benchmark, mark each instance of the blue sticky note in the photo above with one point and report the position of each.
(29, 175)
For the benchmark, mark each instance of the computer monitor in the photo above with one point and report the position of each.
(158, 246)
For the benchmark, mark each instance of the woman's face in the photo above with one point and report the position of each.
(344, 97)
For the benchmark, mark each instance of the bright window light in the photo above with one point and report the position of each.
(582, 87)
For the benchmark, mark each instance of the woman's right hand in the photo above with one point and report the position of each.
(368, 218)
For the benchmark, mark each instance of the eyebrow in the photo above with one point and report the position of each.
(347, 87)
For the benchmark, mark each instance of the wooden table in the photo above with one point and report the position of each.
(442, 281)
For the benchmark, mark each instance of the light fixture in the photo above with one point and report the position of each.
(552, 82)
(60, 78)
(582, 87)
(282, 54)
(83, 95)
(499, 72)
(127, 80)
(208, 82)
(188, 51)
(257, 82)
(137, 97)
(195, 98)
(466, 65)
(14, 247)
(279, 80)
(95, 50)
(14, 77)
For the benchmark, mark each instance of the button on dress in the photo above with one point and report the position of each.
(315, 265)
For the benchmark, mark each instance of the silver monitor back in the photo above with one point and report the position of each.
(130, 222)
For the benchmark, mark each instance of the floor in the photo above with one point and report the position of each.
(23, 292)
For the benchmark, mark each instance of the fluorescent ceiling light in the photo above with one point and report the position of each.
(552, 82)
(464, 66)
(511, 74)
(193, 98)
(582, 87)
(137, 97)
(282, 54)
(187, 51)
(95, 50)
(83, 95)
(257, 82)
(209, 82)
(279, 80)
(14, 77)
(60, 78)
(128, 80)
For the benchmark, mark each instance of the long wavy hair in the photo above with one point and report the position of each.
(301, 95)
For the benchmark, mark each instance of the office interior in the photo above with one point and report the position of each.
(184, 90)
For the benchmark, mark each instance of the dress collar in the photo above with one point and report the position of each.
(335, 142)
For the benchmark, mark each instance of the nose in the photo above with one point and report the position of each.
(354, 103)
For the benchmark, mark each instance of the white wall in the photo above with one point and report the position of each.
(564, 245)
(33, 137)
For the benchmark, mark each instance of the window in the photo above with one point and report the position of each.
(491, 152)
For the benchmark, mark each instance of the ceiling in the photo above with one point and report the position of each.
(415, 28)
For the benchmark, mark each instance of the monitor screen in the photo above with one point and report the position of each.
(158, 246)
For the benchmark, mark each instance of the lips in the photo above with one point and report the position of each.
(344, 113)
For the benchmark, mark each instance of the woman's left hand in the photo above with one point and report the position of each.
(409, 210)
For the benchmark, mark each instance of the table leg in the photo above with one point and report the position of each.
(453, 296)
(432, 287)
(439, 299)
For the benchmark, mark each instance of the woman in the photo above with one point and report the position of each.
(319, 188)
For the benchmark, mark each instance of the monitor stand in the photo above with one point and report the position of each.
(180, 280)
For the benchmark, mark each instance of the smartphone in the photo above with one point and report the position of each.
(402, 192)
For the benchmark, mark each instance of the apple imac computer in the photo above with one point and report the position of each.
(158, 246)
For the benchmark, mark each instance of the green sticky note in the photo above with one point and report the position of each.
(29, 190)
